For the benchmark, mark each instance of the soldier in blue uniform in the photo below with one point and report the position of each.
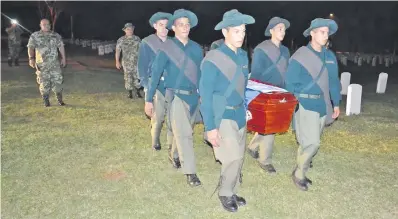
(149, 47)
(222, 90)
(312, 76)
(269, 65)
(180, 59)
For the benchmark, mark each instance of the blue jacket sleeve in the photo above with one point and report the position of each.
(293, 80)
(206, 89)
(334, 84)
(157, 69)
(143, 64)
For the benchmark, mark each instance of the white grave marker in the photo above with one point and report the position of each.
(345, 82)
(387, 61)
(354, 97)
(374, 61)
(360, 61)
(382, 83)
(101, 51)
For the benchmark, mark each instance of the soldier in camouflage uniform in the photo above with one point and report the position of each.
(129, 45)
(43, 55)
(14, 43)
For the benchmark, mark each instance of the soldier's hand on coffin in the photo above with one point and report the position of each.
(148, 109)
(118, 65)
(32, 63)
(214, 137)
(336, 112)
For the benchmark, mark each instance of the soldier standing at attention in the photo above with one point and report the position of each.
(312, 75)
(14, 43)
(269, 65)
(222, 89)
(129, 45)
(149, 47)
(180, 58)
(43, 55)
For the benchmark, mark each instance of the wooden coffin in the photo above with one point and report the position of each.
(271, 113)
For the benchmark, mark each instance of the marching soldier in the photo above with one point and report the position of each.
(269, 65)
(180, 58)
(43, 55)
(129, 45)
(312, 76)
(149, 47)
(222, 90)
(14, 43)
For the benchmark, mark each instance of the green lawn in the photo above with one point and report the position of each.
(93, 159)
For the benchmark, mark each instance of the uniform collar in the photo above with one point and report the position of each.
(312, 49)
(224, 47)
(179, 43)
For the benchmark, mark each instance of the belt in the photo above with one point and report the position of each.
(309, 96)
(234, 107)
(183, 92)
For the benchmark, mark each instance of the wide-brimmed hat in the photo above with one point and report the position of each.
(275, 21)
(159, 16)
(321, 22)
(234, 18)
(193, 19)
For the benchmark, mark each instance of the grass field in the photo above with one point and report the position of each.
(93, 159)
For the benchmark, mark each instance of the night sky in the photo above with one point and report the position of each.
(363, 26)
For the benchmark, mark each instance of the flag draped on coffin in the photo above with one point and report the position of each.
(254, 89)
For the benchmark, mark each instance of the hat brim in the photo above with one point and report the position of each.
(270, 26)
(124, 28)
(193, 19)
(331, 24)
(159, 16)
(238, 20)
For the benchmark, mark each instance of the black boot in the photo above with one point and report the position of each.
(138, 91)
(16, 62)
(130, 94)
(193, 180)
(10, 62)
(239, 200)
(46, 100)
(59, 98)
(229, 203)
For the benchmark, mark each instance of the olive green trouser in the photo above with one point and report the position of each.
(182, 124)
(230, 153)
(309, 128)
(265, 144)
(160, 111)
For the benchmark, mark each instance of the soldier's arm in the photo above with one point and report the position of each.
(157, 70)
(334, 84)
(206, 89)
(135, 52)
(198, 64)
(118, 50)
(60, 45)
(31, 47)
(143, 64)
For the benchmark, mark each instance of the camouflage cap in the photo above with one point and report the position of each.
(127, 25)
